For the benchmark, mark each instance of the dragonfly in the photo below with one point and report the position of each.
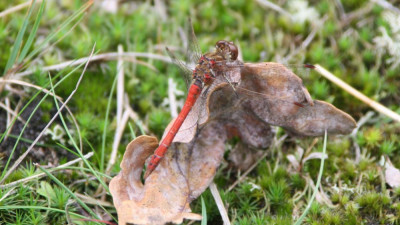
(223, 65)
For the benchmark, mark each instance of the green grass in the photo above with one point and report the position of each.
(49, 33)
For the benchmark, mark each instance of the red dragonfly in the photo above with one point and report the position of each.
(222, 62)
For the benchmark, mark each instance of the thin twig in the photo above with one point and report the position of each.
(120, 85)
(361, 122)
(117, 138)
(12, 112)
(17, 8)
(134, 116)
(36, 176)
(121, 119)
(387, 5)
(22, 157)
(11, 126)
(353, 134)
(340, 8)
(105, 56)
(92, 201)
(8, 109)
(173, 107)
(23, 83)
(373, 104)
(356, 14)
(220, 204)
(161, 9)
(274, 7)
(306, 41)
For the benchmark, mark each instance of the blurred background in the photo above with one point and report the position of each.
(357, 40)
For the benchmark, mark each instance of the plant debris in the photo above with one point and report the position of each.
(265, 94)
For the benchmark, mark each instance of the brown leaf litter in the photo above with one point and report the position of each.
(265, 94)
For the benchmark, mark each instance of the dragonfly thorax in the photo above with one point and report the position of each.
(204, 70)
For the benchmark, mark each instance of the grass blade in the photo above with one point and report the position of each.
(59, 183)
(13, 207)
(103, 142)
(31, 115)
(203, 212)
(94, 172)
(62, 27)
(321, 169)
(18, 41)
(33, 33)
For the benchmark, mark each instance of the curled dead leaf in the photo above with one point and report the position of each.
(265, 94)
(184, 173)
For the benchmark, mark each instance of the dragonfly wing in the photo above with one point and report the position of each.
(189, 127)
(198, 115)
(185, 70)
(193, 52)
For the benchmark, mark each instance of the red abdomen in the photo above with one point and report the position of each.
(194, 92)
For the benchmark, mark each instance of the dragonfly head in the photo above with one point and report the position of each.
(227, 48)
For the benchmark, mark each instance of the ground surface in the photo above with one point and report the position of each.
(358, 41)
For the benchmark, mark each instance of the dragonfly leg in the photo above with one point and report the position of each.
(231, 84)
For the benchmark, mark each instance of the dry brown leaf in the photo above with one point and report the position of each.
(184, 173)
(265, 94)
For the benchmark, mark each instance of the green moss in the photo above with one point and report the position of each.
(339, 147)
(353, 4)
(158, 120)
(348, 171)
(320, 89)
(347, 50)
(344, 43)
(373, 137)
(329, 28)
(297, 182)
(323, 7)
(372, 203)
(368, 57)
(387, 147)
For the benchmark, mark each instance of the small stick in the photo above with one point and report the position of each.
(121, 123)
(173, 107)
(23, 83)
(373, 104)
(220, 204)
(105, 56)
(117, 138)
(386, 5)
(275, 7)
(353, 134)
(12, 112)
(36, 176)
(120, 85)
(17, 8)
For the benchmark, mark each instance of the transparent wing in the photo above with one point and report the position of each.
(185, 71)
(193, 52)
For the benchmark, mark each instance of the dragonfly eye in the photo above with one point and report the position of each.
(234, 51)
(228, 46)
(221, 44)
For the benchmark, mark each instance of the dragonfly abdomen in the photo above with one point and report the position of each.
(194, 92)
